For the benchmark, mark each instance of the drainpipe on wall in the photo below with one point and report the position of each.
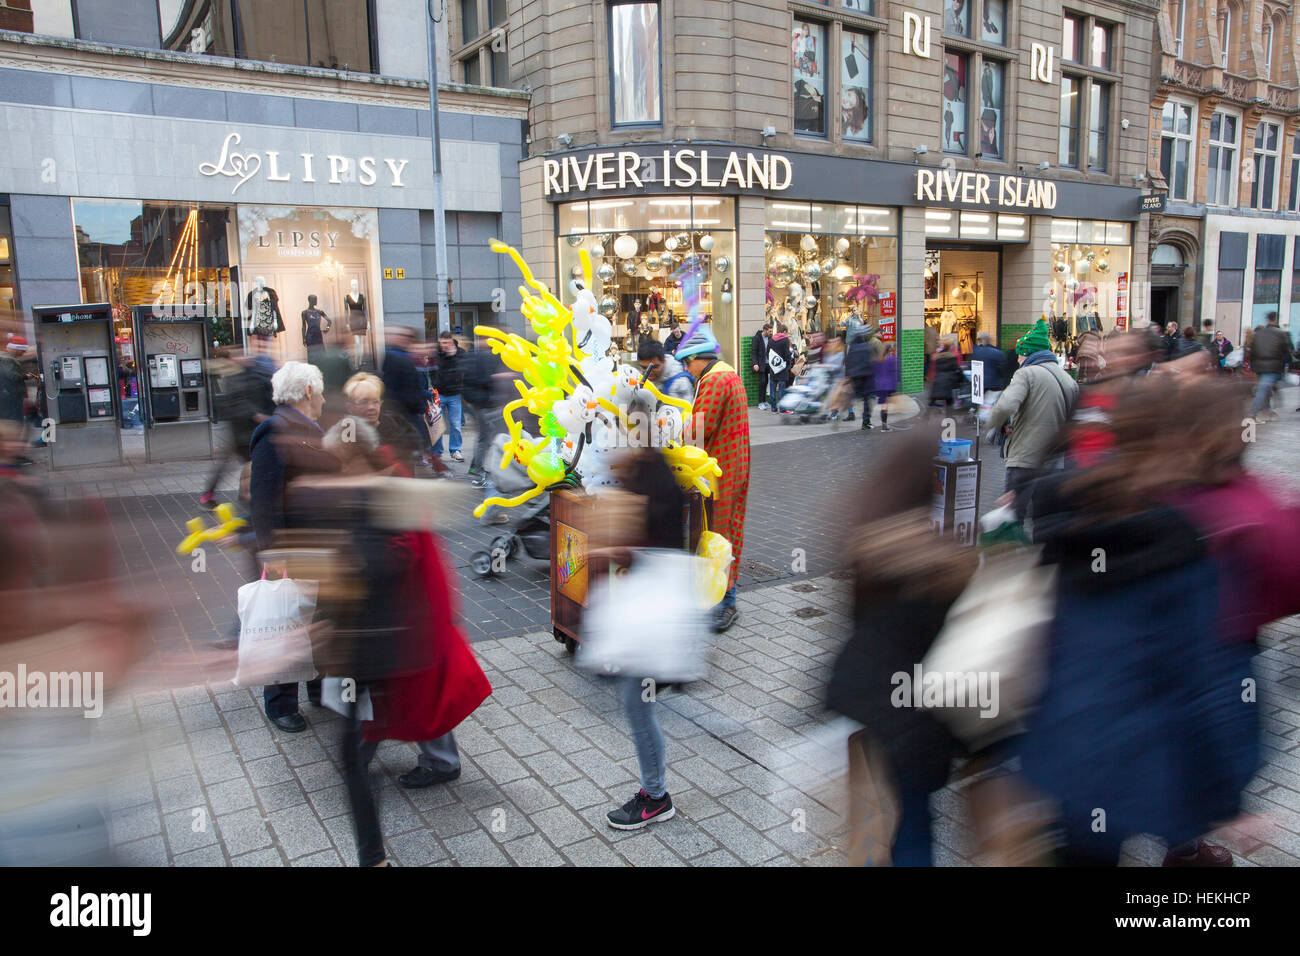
(439, 209)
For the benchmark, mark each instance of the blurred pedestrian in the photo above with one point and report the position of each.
(675, 335)
(284, 447)
(665, 371)
(1270, 354)
(398, 441)
(1221, 349)
(995, 366)
(720, 425)
(1035, 404)
(883, 385)
(946, 363)
(1206, 336)
(860, 367)
(483, 374)
(243, 398)
(450, 363)
(405, 385)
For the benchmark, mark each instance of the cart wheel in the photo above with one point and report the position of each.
(571, 646)
(481, 562)
(507, 544)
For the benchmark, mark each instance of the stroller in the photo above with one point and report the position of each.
(809, 397)
(530, 526)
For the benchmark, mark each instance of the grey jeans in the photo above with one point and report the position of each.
(438, 754)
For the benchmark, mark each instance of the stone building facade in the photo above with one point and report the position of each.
(911, 160)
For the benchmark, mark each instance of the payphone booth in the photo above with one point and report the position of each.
(74, 345)
(175, 395)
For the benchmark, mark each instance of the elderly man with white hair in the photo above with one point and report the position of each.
(284, 447)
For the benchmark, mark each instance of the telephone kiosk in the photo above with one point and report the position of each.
(79, 379)
(178, 394)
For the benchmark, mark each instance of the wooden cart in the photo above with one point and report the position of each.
(573, 514)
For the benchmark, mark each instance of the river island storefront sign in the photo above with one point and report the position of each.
(982, 189)
(240, 167)
(674, 168)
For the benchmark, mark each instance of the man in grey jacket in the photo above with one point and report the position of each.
(1037, 402)
(1270, 353)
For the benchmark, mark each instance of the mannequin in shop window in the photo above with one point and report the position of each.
(655, 304)
(358, 321)
(264, 310)
(315, 324)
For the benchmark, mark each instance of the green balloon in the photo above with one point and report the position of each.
(548, 373)
(550, 427)
(546, 468)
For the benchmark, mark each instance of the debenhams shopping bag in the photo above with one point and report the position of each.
(274, 640)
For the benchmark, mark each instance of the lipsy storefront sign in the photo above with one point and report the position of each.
(240, 167)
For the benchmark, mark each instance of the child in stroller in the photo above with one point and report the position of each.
(528, 526)
(808, 398)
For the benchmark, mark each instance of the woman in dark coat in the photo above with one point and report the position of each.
(906, 578)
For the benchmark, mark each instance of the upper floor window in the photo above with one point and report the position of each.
(635, 64)
(956, 18)
(1225, 36)
(960, 18)
(859, 6)
(1293, 204)
(1268, 50)
(1263, 190)
(1221, 173)
(482, 53)
(1176, 138)
(855, 86)
(1178, 14)
(333, 34)
(808, 49)
(1087, 45)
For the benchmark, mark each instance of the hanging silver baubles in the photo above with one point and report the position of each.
(654, 237)
(1081, 266)
(1102, 265)
(706, 243)
(671, 243)
(726, 297)
(605, 272)
(808, 243)
(653, 263)
(767, 245)
(1071, 285)
(683, 242)
(1062, 267)
(841, 247)
(628, 267)
(625, 246)
(1090, 256)
(812, 271)
(598, 251)
(608, 306)
(722, 265)
(670, 261)
(828, 265)
(575, 239)
(782, 266)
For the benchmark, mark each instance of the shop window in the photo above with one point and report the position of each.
(481, 55)
(1176, 148)
(8, 290)
(1263, 188)
(635, 64)
(1269, 253)
(967, 226)
(956, 18)
(956, 103)
(1221, 174)
(637, 243)
(1232, 266)
(860, 6)
(1071, 92)
(1091, 271)
(332, 34)
(807, 45)
(827, 261)
(855, 86)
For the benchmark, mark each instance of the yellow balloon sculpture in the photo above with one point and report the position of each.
(553, 370)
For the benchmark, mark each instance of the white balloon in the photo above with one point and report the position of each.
(625, 247)
(627, 382)
(668, 425)
(584, 403)
(567, 415)
(706, 243)
(597, 251)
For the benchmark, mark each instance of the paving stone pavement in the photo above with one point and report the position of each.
(549, 753)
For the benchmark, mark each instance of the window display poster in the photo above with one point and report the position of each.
(993, 29)
(855, 87)
(954, 103)
(992, 80)
(806, 45)
(939, 493)
(1121, 302)
(956, 19)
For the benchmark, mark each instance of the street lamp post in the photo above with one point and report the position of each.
(439, 210)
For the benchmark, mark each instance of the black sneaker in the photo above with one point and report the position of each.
(867, 426)
(479, 481)
(641, 811)
(724, 618)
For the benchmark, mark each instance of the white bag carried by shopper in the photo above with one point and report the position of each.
(646, 621)
(331, 696)
(274, 632)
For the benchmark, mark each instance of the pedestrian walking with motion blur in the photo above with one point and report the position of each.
(860, 369)
(995, 366)
(285, 447)
(946, 364)
(905, 579)
(884, 382)
(1270, 354)
(483, 374)
(244, 400)
(1035, 404)
(398, 441)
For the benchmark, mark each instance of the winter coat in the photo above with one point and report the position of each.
(885, 374)
(860, 362)
(1270, 350)
(284, 447)
(404, 387)
(1141, 713)
(480, 367)
(947, 374)
(780, 344)
(451, 371)
(995, 366)
(1037, 401)
(758, 352)
(13, 389)
(675, 380)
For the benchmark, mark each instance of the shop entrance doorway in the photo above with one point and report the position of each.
(963, 294)
(1164, 305)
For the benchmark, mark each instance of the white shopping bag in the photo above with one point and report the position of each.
(274, 639)
(646, 621)
(331, 696)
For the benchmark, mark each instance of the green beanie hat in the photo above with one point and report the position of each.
(1035, 340)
